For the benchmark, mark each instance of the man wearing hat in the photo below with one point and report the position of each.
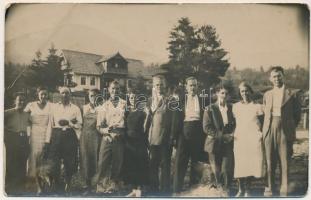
(66, 121)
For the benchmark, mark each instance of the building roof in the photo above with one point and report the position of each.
(107, 57)
(135, 68)
(81, 62)
(88, 63)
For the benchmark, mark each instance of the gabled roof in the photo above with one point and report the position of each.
(81, 62)
(107, 57)
(88, 63)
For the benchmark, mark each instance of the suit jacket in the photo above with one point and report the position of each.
(214, 127)
(290, 113)
(158, 123)
(179, 115)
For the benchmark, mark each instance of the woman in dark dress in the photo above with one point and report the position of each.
(136, 154)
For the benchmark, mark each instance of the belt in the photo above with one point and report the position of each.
(21, 133)
(64, 129)
(117, 130)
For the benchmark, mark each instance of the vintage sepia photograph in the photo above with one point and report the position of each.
(156, 100)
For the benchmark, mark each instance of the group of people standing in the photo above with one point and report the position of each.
(130, 142)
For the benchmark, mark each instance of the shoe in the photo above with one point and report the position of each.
(267, 192)
(240, 194)
(283, 192)
(132, 194)
(67, 187)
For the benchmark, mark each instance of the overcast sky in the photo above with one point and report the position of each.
(254, 35)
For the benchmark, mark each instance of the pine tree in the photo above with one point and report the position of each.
(195, 52)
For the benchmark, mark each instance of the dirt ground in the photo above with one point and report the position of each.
(298, 174)
(298, 177)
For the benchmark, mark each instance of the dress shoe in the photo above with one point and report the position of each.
(240, 194)
(247, 194)
(268, 192)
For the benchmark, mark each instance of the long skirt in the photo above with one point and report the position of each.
(89, 148)
(135, 168)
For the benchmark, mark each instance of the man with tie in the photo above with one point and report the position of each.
(159, 126)
(282, 115)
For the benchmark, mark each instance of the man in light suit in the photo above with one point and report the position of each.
(282, 115)
(160, 145)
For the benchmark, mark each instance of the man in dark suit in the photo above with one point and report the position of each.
(190, 136)
(282, 115)
(159, 126)
(219, 124)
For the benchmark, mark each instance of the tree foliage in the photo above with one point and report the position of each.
(47, 72)
(197, 52)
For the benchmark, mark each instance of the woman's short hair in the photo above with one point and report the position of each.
(221, 86)
(244, 84)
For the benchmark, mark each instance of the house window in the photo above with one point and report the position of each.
(92, 80)
(116, 65)
(129, 83)
(83, 80)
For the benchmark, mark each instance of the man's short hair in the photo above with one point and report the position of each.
(19, 94)
(277, 69)
(159, 76)
(95, 90)
(114, 82)
(191, 78)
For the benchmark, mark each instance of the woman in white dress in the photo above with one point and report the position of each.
(40, 129)
(248, 152)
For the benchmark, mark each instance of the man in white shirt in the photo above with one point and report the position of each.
(111, 124)
(66, 122)
(191, 140)
(282, 115)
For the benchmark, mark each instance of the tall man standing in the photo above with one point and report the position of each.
(66, 122)
(111, 124)
(191, 140)
(159, 136)
(282, 114)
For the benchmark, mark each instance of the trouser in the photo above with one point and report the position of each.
(110, 161)
(277, 149)
(160, 159)
(17, 151)
(222, 164)
(64, 146)
(189, 147)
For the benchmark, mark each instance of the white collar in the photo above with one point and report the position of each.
(222, 107)
(61, 104)
(280, 89)
(192, 97)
